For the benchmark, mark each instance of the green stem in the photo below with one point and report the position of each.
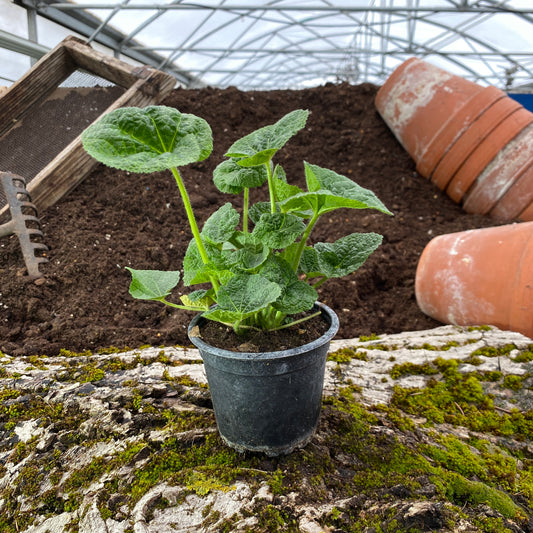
(303, 241)
(296, 321)
(192, 221)
(319, 282)
(271, 188)
(178, 306)
(245, 210)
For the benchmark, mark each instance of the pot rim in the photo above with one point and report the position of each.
(280, 354)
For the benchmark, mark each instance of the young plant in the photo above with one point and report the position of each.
(266, 271)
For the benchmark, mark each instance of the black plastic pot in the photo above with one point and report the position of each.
(267, 402)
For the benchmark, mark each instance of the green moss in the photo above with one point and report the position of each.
(461, 491)
(371, 337)
(345, 355)
(426, 369)
(479, 328)
(459, 399)
(525, 356)
(491, 351)
(202, 484)
(86, 475)
(513, 382)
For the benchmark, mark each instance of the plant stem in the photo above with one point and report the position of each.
(178, 306)
(296, 321)
(192, 221)
(303, 241)
(245, 210)
(319, 282)
(271, 188)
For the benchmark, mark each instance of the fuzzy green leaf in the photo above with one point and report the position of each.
(231, 178)
(257, 210)
(309, 262)
(152, 284)
(296, 298)
(221, 225)
(149, 139)
(283, 190)
(345, 255)
(201, 298)
(342, 190)
(244, 295)
(278, 230)
(296, 295)
(248, 255)
(259, 146)
(195, 270)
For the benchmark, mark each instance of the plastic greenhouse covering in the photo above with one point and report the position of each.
(282, 44)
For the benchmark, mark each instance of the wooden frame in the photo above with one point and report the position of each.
(145, 86)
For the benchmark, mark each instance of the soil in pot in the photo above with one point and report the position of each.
(256, 341)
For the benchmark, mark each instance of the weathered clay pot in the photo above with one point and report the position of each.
(505, 188)
(452, 130)
(417, 101)
(486, 150)
(467, 139)
(477, 277)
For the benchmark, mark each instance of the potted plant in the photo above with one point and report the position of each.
(255, 270)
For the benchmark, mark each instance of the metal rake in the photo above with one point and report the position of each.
(24, 222)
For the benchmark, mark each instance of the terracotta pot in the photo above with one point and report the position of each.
(486, 151)
(505, 187)
(477, 277)
(417, 100)
(470, 139)
(527, 213)
(452, 130)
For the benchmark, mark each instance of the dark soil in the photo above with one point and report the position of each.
(256, 341)
(116, 219)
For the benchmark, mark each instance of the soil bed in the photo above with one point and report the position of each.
(116, 219)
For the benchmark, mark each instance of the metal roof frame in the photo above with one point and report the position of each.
(290, 44)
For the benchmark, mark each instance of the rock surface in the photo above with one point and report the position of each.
(424, 431)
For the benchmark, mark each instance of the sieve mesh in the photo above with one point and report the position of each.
(55, 121)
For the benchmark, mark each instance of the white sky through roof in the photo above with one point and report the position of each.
(292, 43)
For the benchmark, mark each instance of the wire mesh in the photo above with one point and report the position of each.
(53, 123)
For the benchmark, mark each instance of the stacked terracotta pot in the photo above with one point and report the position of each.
(476, 144)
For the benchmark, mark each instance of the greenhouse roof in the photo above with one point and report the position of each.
(283, 44)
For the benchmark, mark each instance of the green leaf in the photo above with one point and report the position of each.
(149, 139)
(231, 178)
(195, 270)
(152, 284)
(278, 230)
(221, 225)
(245, 294)
(296, 298)
(345, 255)
(283, 190)
(259, 146)
(248, 255)
(296, 295)
(257, 210)
(279, 174)
(201, 298)
(309, 262)
(337, 191)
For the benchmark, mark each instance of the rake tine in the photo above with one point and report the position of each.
(19, 198)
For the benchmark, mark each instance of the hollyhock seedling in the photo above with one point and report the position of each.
(258, 265)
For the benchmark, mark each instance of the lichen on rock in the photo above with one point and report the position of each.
(424, 431)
